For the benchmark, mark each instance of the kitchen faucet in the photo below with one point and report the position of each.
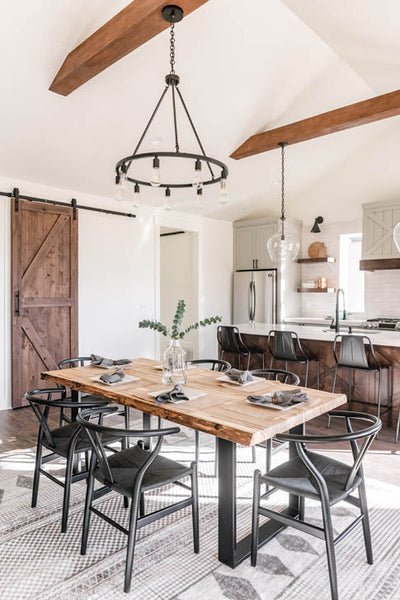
(336, 323)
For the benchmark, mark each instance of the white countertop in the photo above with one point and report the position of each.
(324, 334)
(323, 321)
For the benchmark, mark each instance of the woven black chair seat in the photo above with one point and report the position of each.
(62, 438)
(294, 477)
(124, 466)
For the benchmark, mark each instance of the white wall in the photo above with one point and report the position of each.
(119, 275)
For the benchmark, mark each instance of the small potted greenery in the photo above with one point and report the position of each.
(174, 359)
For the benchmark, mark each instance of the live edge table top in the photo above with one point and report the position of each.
(223, 411)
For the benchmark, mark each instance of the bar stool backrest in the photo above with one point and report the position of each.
(281, 344)
(230, 340)
(353, 352)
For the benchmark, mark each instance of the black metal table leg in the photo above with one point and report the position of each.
(232, 552)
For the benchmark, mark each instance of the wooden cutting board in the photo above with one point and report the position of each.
(317, 250)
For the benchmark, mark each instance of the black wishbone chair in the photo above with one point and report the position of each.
(66, 441)
(81, 361)
(316, 476)
(132, 472)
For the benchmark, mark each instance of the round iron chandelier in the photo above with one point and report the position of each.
(216, 170)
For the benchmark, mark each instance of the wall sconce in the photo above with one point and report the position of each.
(317, 223)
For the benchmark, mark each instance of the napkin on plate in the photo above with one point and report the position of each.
(175, 395)
(100, 361)
(239, 376)
(114, 377)
(283, 397)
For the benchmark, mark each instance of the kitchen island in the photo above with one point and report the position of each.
(319, 342)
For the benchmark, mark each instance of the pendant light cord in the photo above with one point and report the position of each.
(282, 145)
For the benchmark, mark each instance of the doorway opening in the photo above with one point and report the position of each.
(179, 276)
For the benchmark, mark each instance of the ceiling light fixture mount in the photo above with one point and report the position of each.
(282, 246)
(124, 171)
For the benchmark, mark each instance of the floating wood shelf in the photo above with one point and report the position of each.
(316, 290)
(325, 259)
(379, 264)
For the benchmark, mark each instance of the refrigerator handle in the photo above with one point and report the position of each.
(249, 304)
(252, 301)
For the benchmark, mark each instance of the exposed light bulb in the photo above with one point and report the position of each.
(199, 198)
(198, 178)
(136, 195)
(155, 179)
(121, 186)
(167, 201)
(223, 192)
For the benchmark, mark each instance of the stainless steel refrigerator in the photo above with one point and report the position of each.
(255, 296)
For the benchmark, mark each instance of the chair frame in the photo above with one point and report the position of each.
(137, 518)
(243, 350)
(326, 532)
(375, 368)
(304, 358)
(41, 407)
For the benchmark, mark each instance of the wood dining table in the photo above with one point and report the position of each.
(223, 411)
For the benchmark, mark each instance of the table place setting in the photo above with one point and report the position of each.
(176, 395)
(117, 377)
(240, 378)
(108, 363)
(280, 399)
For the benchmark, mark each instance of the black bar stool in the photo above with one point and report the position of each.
(230, 340)
(286, 346)
(357, 354)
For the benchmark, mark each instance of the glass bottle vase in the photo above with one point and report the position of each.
(174, 364)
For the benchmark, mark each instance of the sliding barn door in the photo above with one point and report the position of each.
(44, 292)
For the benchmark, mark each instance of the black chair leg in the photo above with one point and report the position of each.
(130, 552)
(67, 493)
(255, 518)
(142, 505)
(365, 522)
(301, 508)
(196, 445)
(379, 397)
(195, 509)
(248, 361)
(330, 547)
(317, 369)
(333, 391)
(36, 477)
(87, 513)
(271, 362)
(307, 370)
(253, 454)
(349, 387)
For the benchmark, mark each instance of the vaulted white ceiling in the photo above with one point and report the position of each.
(244, 66)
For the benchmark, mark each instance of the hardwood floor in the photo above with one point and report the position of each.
(18, 430)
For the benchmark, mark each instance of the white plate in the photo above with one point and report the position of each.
(113, 366)
(127, 379)
(226, 379)
(191, 393)
(276, 406)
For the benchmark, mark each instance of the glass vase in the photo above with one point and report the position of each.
(174, 364)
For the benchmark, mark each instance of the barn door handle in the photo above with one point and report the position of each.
(18, 309)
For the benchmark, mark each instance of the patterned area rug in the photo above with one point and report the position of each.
(38, 562)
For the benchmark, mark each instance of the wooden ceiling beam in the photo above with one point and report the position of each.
(137, 23)
(360, 113)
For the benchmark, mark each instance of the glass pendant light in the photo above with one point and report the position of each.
(282, 246)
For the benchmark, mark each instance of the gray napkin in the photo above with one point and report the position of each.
(240, 376)
(114, 377)
(283, 398)
(175, 395)
(100, 361)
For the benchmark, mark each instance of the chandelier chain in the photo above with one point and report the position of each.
(172, 48)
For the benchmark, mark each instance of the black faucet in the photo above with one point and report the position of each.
(336, 322)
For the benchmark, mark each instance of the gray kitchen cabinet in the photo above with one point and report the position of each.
(379, 218)
(245, 247)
